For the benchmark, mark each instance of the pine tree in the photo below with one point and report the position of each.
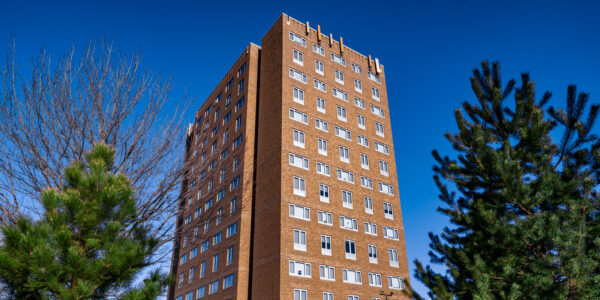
(523, 207)
(80, 249)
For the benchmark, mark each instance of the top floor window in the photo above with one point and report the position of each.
(338, 59)
(296, 38)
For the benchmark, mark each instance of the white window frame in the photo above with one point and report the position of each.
(342, 113)
(372, 252)
(340, 94)
(339, 76)
(356, 68)
(298, 57)
(300, 294)
(345, 175)
(378, 111)
(393, 257)
(327, 296)
(299, 208)
(360, 119)
(358, 85)
(364, 161)
(298, 116)
(295, 74)
(344, 154)
(350, 249)
(368, 204)
(296, 38)
(356, 274)
(318, 49)
(343, 133)
(379, 129)
(322, 146)
(384, 168)
(325, 243)
(392, 284)
(374, 279)
(299, 186)
(390, 233)
(338, 59)
(320, 85)
(327, 273)
(351, 222)
(324, 193)
(347, 201)
(298, 95)
(323, 169)
(325, 218)
(375, 94)
(362, 140)
(298, 137)
(319, 67)
(299, 161)
(299, 268)
(388, 210)
(360, 103)
(374, 77)
(382, 148)
(371, 228)
(299, 240)
(366, 182)
(386, 188)
(321, 125)
(321, 105)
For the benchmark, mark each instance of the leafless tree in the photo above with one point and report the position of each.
(52, 116)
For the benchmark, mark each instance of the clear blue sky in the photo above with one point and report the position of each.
(429, 49)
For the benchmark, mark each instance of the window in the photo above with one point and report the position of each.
(374, 77)
(348, 223)
(364, 161)
(298, 57)
(320, 85)
(383, 148)
(386, 188)
(202, 269)
(366, 182)
(383, 168)
(323, 169)
(184, 259)
(327, 296)
(299, 212)
(361, 121)
(357, 85)
(220, 211)
(298, 161)
(194, 252)
(232, 229)
(236, 163)
(228, 101)
(300, 269)
(237, 142)
(188, 219)
(374, 279)
(300, 294)
(297, 39)
(396, 283)
(388, 210)
(217, 238)
(228, 281)
(205, 245)
(352, 276)
(215, 263)
(298, 75)
(368, 205)
(341, 113)
(240, 103)
(181, 279)
(324, 193)
(318, 49)
(234, 183)
(224, 154)
(320, 105)
(185, 240)
(299, 240)
(241, 70)
(229, 255)
(370, 228)
(192, 269)
(198, 212)
(195, 233)
(347, 199)
(322, 147)
(325, 218)
(344, 154)
(327, 272)
(346, 176)
(221, 194)
(226, 118)
(356, 68)
(325, 245)
(377, 110)
(233, 206)
(208, 204)
(298, 95)
(372, 253)
(238, 123)
(353, 297)
(393, 255)
(350, 249)
(343, 133)
(201, 292)
(240, 90)
(359, 103)
(338, 59)
(299, 186)
(362, 140)
(390, 233)
(213, 287)
(298, 116)
(339, 76)
(340, 94)
(319, 67)
(222, 173)
(298, 138)
(321, 125)
(379, 129)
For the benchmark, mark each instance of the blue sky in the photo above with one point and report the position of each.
(429, 49)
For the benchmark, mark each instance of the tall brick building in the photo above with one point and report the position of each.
(292, 187)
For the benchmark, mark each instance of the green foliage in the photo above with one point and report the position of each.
(524, 208)
(83, 247)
